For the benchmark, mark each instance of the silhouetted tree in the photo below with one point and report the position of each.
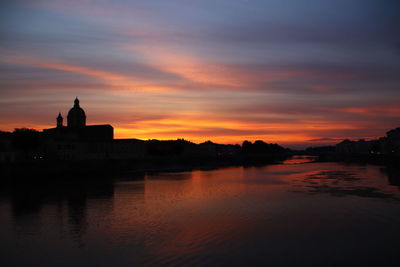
(25, 139)
(246, 146)
(260, 147)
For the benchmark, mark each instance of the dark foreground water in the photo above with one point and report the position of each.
(294, 214)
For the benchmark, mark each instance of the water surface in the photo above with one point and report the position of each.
(299, 213)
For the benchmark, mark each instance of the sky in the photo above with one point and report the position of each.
(297, 73)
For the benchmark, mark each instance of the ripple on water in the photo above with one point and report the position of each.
(233, 216)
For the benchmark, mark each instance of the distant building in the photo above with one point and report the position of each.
(77, 140)
(80, 142)
(389, 145)
(356, 147)
(77, 129)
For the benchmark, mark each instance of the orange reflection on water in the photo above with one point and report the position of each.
(181, 213)
(167, 194)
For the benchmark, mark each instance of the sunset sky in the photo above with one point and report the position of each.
(292, 72)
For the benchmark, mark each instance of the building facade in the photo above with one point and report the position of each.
(77, 141)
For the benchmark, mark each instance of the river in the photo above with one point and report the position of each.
(299, 213)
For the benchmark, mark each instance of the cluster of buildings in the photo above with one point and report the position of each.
(79, 141)
(388, 145)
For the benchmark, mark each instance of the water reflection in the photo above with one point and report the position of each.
(393, 174)
(169, 175)
(342, 185)
(30, 202)
(230, 216)
(349, 182)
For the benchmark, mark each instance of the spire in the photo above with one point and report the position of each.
(59, 120)
(76, 102)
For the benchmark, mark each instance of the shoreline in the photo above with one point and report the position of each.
(105, 170)
(382, 160)
(61, 170)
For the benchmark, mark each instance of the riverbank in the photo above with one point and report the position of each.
(375, 159)
(101, 169)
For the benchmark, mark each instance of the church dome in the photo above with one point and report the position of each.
(76, 116)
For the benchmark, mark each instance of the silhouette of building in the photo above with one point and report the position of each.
(80, 142)
(356, 147)
(59, 120)
(77, 140)
(391, 143)
(77, 129)
(388, 145)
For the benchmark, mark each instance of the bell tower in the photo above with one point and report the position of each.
(59, 120)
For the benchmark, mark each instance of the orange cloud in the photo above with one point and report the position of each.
(113, 80)
(373, 111)
(186, 65)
